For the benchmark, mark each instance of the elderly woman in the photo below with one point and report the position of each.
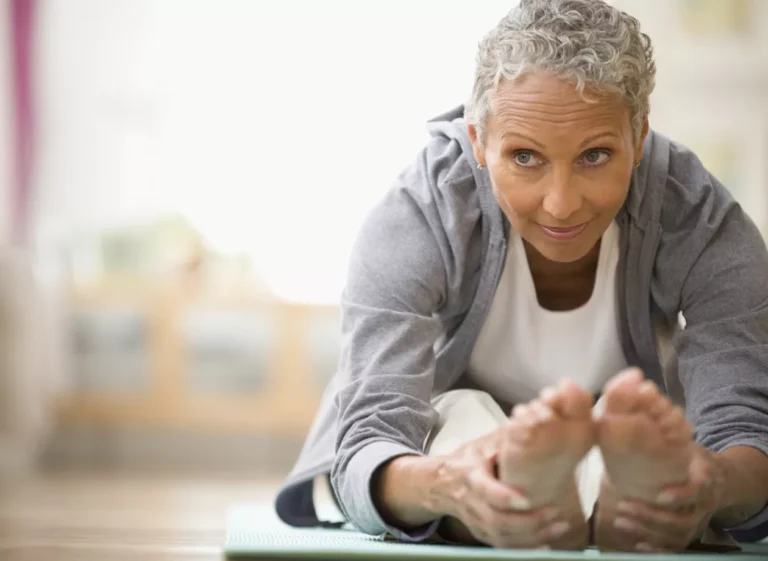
(544, 248)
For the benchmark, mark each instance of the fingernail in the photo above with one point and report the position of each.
(624, 507)
(645, 547)
(623, 524)
(520, 503)
(558, 529)
(665, 498)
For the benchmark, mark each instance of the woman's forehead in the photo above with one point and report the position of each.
(550, 106)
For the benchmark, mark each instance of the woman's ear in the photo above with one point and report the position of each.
(477, 145)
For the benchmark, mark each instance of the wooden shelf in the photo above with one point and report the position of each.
(284, 396)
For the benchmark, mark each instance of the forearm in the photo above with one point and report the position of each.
(745, 485)
(404, 490)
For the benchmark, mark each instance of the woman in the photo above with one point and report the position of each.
(543, 242)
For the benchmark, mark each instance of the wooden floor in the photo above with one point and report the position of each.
(116, 517)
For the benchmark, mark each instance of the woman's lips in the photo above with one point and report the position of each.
(563, 233)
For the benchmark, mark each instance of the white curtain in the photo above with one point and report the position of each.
(28, 354)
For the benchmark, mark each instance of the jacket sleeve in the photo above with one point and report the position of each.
(723, 349)
(396, 282)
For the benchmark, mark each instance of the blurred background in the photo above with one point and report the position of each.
(181, 182)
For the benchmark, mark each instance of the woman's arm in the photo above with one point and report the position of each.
(395, 285)
(723, 351)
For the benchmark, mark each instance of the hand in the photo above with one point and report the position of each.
(493, 513)
(681, 513)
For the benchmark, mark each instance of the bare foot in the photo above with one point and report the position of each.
(547, 439)
(646, 444)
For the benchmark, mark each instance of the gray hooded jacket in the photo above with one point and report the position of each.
(422, 277)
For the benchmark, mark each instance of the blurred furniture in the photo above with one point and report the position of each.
(174, 355)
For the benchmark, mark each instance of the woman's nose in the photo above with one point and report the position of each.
(561, 199)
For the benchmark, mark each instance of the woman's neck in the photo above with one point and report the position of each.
(542, 267)
(563, 286)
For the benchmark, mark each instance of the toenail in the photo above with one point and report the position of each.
(644, 547)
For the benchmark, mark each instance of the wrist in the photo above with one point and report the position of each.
(403, 490)
(739, 494)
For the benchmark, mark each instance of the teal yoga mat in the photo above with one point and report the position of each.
(251, 536)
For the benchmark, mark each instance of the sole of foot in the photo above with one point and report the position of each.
(646, 444)
(545, 441)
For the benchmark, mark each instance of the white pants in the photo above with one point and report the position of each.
(466, 415)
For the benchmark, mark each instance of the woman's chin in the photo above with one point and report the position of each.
(560, 251)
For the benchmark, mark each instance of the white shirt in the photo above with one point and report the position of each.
(522, 347)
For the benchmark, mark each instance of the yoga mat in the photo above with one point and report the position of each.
(251, 536)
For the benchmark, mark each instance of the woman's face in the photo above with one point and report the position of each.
(560, 166)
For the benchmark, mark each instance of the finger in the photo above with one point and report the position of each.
(493, 492)
(529, 529)
(659, 526)
(660, 520)
(532, 519)
(553, 531)
(680, 495)
(644, 547)
(634, 531)
(476, 528)
(495, 527)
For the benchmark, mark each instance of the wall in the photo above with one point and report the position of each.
(712, 88)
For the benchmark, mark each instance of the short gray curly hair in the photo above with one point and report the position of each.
(587, 41)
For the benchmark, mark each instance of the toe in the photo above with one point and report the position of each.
(675, 426)
(648, 394)
(673, 420)
(651, 401)
(621, 393)
(549, 396)
(522, 414)
(540, 411)
(659, 407)
(629, 376)
(575, 403)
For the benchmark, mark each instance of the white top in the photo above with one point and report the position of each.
(522, 347)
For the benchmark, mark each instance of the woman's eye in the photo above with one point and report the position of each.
(525, 158)
(596, 157)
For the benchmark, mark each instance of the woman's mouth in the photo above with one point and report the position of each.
(563, 233)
